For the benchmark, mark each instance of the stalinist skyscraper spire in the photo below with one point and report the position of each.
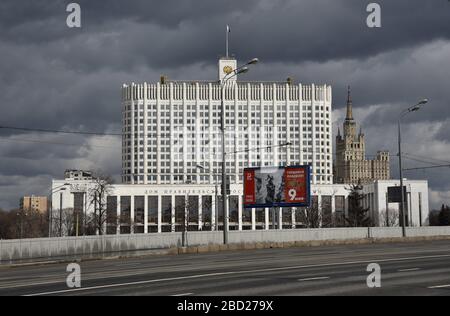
(349, 123)
(351, 165)
(349, 116)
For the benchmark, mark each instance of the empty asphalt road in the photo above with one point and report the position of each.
(407, 269)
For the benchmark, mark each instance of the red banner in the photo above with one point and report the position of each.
(249, 187)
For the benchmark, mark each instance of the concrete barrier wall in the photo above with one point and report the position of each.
(428, 231)
(97, 246)
(386, 232)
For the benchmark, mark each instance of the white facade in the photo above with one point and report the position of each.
(417, 206)
(170, 128)
(157, 205)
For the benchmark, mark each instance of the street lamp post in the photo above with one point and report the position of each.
(216, 213)
(223, 82)
(60, 212)
(414, 108)
(184, 238)
(50, 212)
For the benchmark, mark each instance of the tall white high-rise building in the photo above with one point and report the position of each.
(170, 128)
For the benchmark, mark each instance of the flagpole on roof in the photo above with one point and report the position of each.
(228, 31)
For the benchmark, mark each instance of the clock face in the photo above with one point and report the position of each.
(227, 69)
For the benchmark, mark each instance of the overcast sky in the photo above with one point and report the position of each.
(54, 77)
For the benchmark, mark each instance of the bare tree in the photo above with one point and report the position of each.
(21, 223)
(97, 195)
(185, 213)
(338, 219)
(389, 218)
(310, 217)
(64, 222)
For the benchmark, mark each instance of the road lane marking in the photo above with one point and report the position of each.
(184, 294)
(408, 270)
(439, 286)
(128, 265)
(189, 277)
(313, 279)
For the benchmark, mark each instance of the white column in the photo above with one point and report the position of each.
(280, 218)
(253, 219)
(319, 204)
(145, 214)
(294, 209)
(266, 219)
(240, 211)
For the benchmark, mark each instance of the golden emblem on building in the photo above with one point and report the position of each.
(228, 70)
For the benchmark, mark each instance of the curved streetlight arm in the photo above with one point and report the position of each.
(226, 79)
(55, 189)
(235, 72)
(414, 108)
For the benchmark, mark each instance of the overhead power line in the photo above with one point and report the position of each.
(432, 167)
(259, 148)
(41, 130)
(53, 143)
(429, 158)
(421, 160)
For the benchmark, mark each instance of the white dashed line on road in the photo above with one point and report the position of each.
(313, 279)
(408, 270)
(184, 294)
(439, 286)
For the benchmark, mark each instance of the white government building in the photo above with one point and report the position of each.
(171, 153)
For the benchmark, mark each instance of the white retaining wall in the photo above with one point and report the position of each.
(96, 246)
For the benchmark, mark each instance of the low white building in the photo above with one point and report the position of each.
(160, 208)
(417, 206)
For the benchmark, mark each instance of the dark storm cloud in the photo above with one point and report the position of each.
(177, 32)
(444, 132)
(60, 78)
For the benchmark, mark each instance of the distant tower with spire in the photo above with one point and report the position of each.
(351, 165)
